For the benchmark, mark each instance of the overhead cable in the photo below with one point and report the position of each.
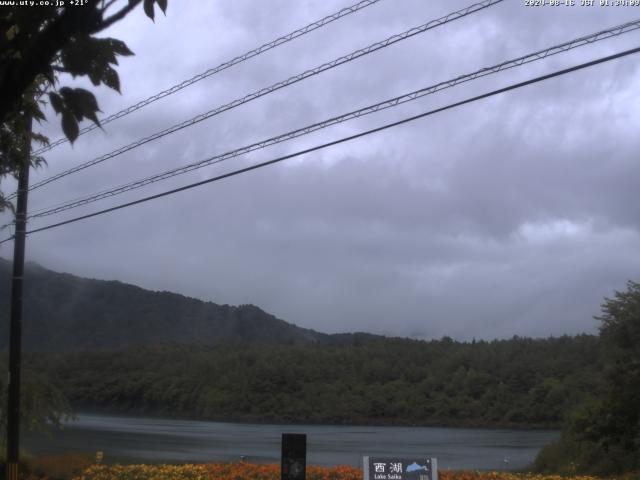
(276, 86)
(341, 140)
(223, 66)
(508, 64)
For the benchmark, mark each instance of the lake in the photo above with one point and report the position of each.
(128, 438)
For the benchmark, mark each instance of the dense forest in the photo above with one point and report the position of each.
(517, 382)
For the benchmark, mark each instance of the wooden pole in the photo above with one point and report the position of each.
(15, 335)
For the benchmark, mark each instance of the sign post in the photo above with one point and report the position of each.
(392, 468)
(294, 456)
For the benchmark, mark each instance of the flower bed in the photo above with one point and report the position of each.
(250, 471)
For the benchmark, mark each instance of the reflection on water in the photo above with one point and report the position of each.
(156, 439)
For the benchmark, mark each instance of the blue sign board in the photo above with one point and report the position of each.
(392, 468)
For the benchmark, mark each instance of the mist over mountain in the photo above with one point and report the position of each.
(165, 354)
(64, 312)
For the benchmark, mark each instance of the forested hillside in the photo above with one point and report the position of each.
(63, 312)
(518, 382)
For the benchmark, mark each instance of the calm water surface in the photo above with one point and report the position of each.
(156, 439)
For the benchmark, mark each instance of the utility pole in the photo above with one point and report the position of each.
(15, 335)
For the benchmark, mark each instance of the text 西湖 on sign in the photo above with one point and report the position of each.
(387, 468)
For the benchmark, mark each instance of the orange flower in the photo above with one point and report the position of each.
(251, 471)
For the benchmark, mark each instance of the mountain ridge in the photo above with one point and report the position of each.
(64, 312)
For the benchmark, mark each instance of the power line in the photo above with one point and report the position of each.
(539, 55)
(264, 91)
(342, 140)
(223, 66)
(276, 86)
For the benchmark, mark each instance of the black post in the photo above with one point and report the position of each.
(293, 462)
(15, 336)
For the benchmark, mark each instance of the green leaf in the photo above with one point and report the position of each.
(11, 32)
(49, 75)
(38, 115)
(75, 56)
(70, 102)
(110, 79)
(87, 104)
(38, 161)
(163, 5)
(69, 126)
(81, 103)
(119, 47)
(41, 139)
(148, 8)
(95, 77)
(56, 102)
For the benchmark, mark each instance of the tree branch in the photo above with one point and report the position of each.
(118, 15)
(105, 7)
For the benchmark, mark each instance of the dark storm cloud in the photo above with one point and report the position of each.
(514, 215)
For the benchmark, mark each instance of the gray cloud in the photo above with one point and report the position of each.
(514, 215)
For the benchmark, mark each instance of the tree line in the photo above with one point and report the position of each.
(519, 382)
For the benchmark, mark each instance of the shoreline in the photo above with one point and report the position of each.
(156, 439)
(115, 412)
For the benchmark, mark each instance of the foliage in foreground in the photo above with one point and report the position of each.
(42, 405)
(602, 435)
(37, 44)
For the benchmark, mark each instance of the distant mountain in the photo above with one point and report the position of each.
(64, 312)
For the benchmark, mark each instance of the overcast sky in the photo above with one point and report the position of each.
(514, 215)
